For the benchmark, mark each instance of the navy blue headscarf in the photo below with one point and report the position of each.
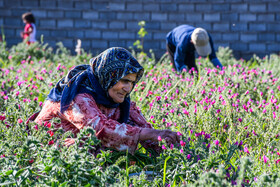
(104, 72)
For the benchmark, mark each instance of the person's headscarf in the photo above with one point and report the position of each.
(104, 72)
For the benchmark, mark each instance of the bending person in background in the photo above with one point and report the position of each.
(183, 41)
(30, 28)
(97, 95)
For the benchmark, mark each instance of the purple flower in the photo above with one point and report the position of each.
(207, 136)
(254, 133)
(241, 143)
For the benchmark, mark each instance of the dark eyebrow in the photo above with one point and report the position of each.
(126, 79)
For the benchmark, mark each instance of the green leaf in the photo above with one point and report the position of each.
(63, 184)
(48, 168)
(6, 183)
(164, 169)
(9, 172)
(19, 172)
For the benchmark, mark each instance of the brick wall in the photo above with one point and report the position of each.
(246, 26)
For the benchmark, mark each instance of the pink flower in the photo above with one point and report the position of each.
(50, 133)
(246, 150)
(51, 142)
(277, 161)
(182, 143)
(188, 156)
(159, 138)
(20, 120)
(58, 67)
(2, 117)
(36, 127)
(254, 133)
(163, 147)
(265, 159)
(181, 151)
(171, 146)
(216, 142)
(47, 124)
(179, 134)
(185, 111)
(40, 103)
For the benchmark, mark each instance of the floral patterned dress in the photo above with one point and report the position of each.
(84, 111)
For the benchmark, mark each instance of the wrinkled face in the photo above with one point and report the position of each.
(122, 88)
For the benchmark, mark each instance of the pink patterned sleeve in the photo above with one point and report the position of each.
(83, 111)
(139, 120)
(48, 112)
(137, 117)
(51, 110)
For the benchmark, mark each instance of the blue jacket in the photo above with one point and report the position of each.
(180, 37)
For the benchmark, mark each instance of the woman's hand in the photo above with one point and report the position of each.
(153, 134)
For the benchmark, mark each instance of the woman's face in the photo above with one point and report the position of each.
(122, 88)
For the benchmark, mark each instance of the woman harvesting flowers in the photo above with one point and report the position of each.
(97, 95)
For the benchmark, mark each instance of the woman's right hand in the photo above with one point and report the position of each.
(153, 134)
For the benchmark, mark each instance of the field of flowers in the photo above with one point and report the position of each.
(228, 122)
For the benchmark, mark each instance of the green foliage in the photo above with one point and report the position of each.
(226, 54)
(141, 33)
(229, 121)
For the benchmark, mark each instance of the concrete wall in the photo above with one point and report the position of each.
(246, 26)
